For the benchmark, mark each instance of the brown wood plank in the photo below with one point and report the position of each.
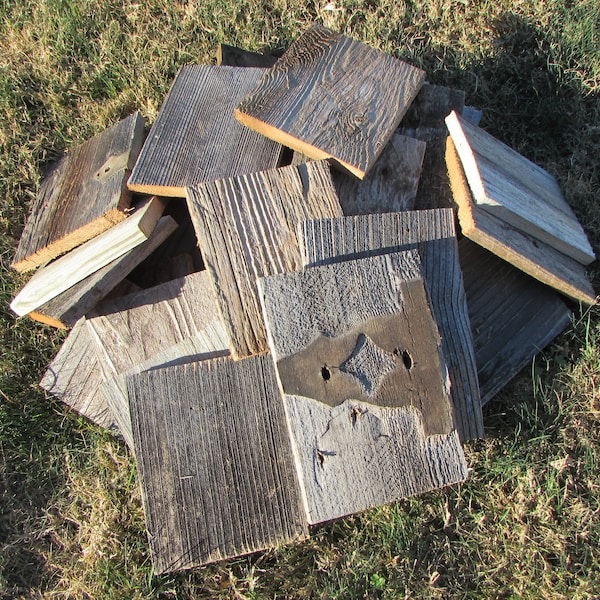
(237, 57)
(432, 233)
(360, 364)
(330, 96)
(82, 196)
(196, 138)
(246, 227)
(215, 462)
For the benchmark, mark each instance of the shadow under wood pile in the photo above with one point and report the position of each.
(285, 344)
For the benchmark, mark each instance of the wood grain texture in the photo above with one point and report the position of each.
(516, 191)
(513, 317)
(237, 57)
(72, 268)
(196, 138)
(215, 463)
(246, 227)
(82, 196)
(432, 234)
(535, 258)
(330, 96)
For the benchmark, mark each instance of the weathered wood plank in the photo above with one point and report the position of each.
(82, 196)
(246, 227)
(237, 57)
(70, 269)
(215, 462)
(330, 96)
(359, 361)
(432, 233)
(196, 138)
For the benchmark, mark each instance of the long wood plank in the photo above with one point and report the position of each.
(330, 96)
(82, 196)
(432, 233)
(215, 463)
(246, 227)
(196, 138)
(360, 364)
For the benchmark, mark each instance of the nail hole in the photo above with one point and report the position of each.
(325, 373)
(321, 457)
(405, 356)
(355, 414)
(107, 169)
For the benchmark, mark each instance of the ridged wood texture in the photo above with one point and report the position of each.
(196, 138)
(246, 228)
(82, 196)
(215, 463)
(354, 453)
(513, 316)
(237, 57)
(331, 96)
(432, 233)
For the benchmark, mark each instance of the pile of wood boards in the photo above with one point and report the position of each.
(281, 322)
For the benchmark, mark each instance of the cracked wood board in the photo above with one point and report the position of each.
(246, 227)
(215, 463)
(432, 233)
(365, 385)
(82, 196)
(330, 96)
(196, 138)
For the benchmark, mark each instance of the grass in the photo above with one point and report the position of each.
(526, 524)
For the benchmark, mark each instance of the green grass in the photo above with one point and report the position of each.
(526, 524)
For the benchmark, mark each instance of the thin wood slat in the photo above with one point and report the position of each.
(215, 462)
(196, 138)
(237, 57)
(432, 233)
(330, 96)
(359, 361)
(246, 227)
(82, 196)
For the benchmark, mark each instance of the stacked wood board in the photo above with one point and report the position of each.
(294, 342)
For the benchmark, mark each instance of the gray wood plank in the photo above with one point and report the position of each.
(432, 233)
(237, 57)
(330, 96)
(215, 462)
(82, 196)
(246, 227)
(196, 138)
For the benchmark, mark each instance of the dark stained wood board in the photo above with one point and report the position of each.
(359, 361)
(246, 228)
(330, 96)
(83, 195)
(432, 233)
(513, 316)
(196, 138)
(237, 57)
(215, 463)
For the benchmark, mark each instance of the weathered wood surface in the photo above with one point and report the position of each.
(237, 57)
(82, 196)
(67, 308)
(215, 463)
(359, 360)
(535, 258)
(246, 227)
(432, 233)
(196, 138)
(330, 96)
(70, 269)
(513, 317)
(392, 183)
(516, 191)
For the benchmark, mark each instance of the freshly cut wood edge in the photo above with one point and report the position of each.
(88, 258)
(237, 57)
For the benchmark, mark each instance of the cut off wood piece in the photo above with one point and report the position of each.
(88, 258)
(516, 191)
(472, 114)
(67, 308)
(532, 256)
(196, 138)
(237, 57)
(392, 183)
(359, 361)
(513, 317)
(330, 96)
(246, 227)
(432, 233)
(82, 196)
(215, 463)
